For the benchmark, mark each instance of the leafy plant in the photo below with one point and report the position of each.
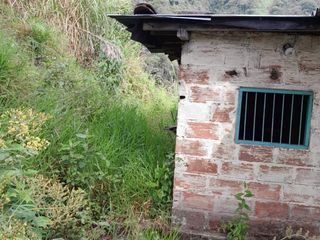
(109, 72)
(43, 206)
(19, 136)
(77, 157)
(237, 228)
(162, 185)
(105, 130)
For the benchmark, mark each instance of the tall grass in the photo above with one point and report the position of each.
(85, 21)
(13, 74)
(107, 121)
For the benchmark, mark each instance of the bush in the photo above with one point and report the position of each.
(37, 207)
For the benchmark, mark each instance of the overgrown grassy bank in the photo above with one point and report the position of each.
(83, 151)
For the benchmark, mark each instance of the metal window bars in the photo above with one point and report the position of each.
(274, 117)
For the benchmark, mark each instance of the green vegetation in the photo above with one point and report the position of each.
(237, 228)
(83, 151)
(289, 7)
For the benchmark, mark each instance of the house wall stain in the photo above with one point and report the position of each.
(211, 168)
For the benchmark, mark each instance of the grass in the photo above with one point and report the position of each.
(83, 21)
(108, 116)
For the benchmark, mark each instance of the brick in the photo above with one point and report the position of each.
(204, 94)
(214, 223)
(301, 194)
(305, 213)
(225, 187)
(190, 182)
(294, 157)
(229, 97)
(176, 198)
(308, 66)
(315, 136)
(223, 114)
(223, 151)
(197, 53)
(308, 176)
(193, 76)
(190, 220)
(272, 210)
(255, 154)
(194, 111)
(201, 166)
(266, 229)
(203, 130)
(278, 177)
(196, 201)
(225, 206)
(238, 171)
(190, 147)
(265, 191)
(275, 174)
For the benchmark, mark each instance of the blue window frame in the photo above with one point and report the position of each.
(274, 117)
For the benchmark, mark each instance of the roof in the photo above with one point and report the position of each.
(167, 32)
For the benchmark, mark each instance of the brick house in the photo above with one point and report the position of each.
(249, 111)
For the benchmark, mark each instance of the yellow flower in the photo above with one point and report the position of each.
(2, 144)
(23, 130)
(36, 144)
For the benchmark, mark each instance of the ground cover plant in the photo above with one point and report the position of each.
(83, 151)
(238, 227)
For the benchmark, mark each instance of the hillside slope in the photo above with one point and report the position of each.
(83, 151)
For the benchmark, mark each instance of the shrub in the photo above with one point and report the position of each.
(19, 138)
(238, 227)
(44, 207)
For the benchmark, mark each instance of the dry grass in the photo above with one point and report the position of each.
(81, 20)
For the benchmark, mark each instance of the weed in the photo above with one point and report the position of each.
(19, 136)
(43, 204)
(237, 228)
(110, 73)
(151, 234)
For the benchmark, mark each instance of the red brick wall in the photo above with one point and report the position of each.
(211, 168)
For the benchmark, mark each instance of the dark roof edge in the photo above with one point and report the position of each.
(158, 32)
(210, 15)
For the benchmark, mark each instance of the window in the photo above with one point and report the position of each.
(273, 117)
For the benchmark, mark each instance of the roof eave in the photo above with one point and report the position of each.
(158, 32)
